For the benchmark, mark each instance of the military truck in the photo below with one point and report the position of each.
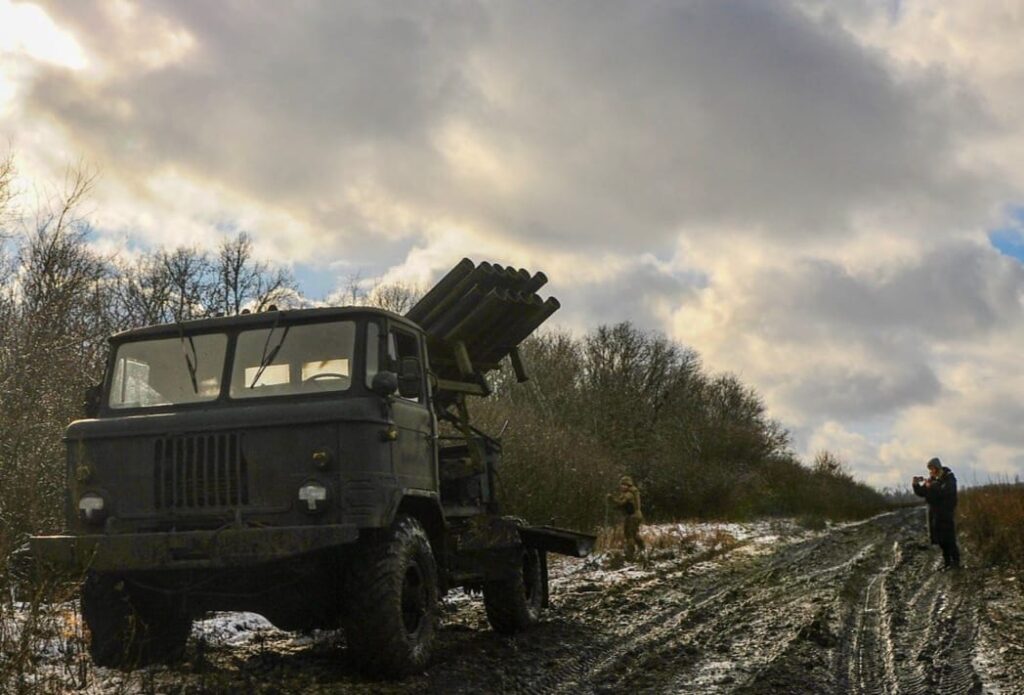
(316, 466)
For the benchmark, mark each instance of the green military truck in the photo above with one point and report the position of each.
(316, 466)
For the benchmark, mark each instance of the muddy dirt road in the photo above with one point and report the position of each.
(858, 608)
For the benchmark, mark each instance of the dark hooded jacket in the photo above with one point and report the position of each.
(940, 494)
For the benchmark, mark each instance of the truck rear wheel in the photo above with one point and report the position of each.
(129, 626)
(516, 603)
(392, 601)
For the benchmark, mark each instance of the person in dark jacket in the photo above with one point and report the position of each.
(939, 491)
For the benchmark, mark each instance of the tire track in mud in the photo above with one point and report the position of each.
(860, 609)
(914, 632)
(681, 647)
(578, 675)
(786, 639)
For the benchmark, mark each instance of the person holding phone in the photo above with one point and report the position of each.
(939, 491)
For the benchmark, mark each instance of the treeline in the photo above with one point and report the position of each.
(617, 400)
(621, 400)
(60, 300)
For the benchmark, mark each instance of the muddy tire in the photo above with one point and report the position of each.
(392, 601)
(130, 627)
(516, 603)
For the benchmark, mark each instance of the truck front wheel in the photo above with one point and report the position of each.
(515, 603)
(129, 626)
(392, 601)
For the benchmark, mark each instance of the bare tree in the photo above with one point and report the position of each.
(6, 196)
(827, 463)
(53, 322)
(6, 192)
(164, 286)
(245, 283)
(394, 296)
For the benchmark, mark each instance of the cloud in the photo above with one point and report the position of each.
(856, 450)
(560, 124)
(801, 190)
(926, 347)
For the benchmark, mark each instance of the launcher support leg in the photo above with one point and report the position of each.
(517, 366)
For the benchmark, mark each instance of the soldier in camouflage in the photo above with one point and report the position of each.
(627, 499)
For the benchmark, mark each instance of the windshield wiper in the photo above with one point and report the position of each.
(267, 358)
(191, 362)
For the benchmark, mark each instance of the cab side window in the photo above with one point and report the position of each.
(401, 347)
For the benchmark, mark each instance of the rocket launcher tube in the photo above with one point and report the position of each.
(481, 314)
(536, 282)
(531, 324)
(460, 289)
(498, 342)
(444, 286)
(514, 307)
(519, 331)
(480, 338)
(491, 277)
(485, 311)
(454, 315)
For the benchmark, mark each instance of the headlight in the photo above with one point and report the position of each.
(92, 507)
(314, 496)
(322, 458)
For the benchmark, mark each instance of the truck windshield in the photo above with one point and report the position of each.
(169, 371)
(295, 359)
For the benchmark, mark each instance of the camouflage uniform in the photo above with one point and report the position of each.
(627, 499)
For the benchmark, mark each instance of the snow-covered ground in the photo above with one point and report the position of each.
(59, 659)
(686, 592)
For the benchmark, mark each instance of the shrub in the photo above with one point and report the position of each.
(991, 519)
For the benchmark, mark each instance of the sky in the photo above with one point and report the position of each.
(825, 198)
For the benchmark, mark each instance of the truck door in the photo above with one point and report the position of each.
(413, 451)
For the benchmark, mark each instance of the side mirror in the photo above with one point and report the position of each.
(410, 381)
(384, 384)
(91, 401)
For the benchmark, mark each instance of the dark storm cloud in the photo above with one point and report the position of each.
(738, 113)
(632, 120)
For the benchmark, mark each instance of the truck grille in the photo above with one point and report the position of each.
(200, 472)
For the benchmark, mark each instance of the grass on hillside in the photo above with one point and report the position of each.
(991, 523)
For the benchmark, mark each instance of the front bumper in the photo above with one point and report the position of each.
(227, 547)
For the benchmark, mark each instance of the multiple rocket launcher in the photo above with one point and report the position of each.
(475, 316)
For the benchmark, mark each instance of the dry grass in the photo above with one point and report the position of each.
(667, 538)
(991, 521)
(42, 644)
(42, 641)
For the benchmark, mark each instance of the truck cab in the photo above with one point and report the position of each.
(258, 420)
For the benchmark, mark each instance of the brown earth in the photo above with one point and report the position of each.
(860, 608)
